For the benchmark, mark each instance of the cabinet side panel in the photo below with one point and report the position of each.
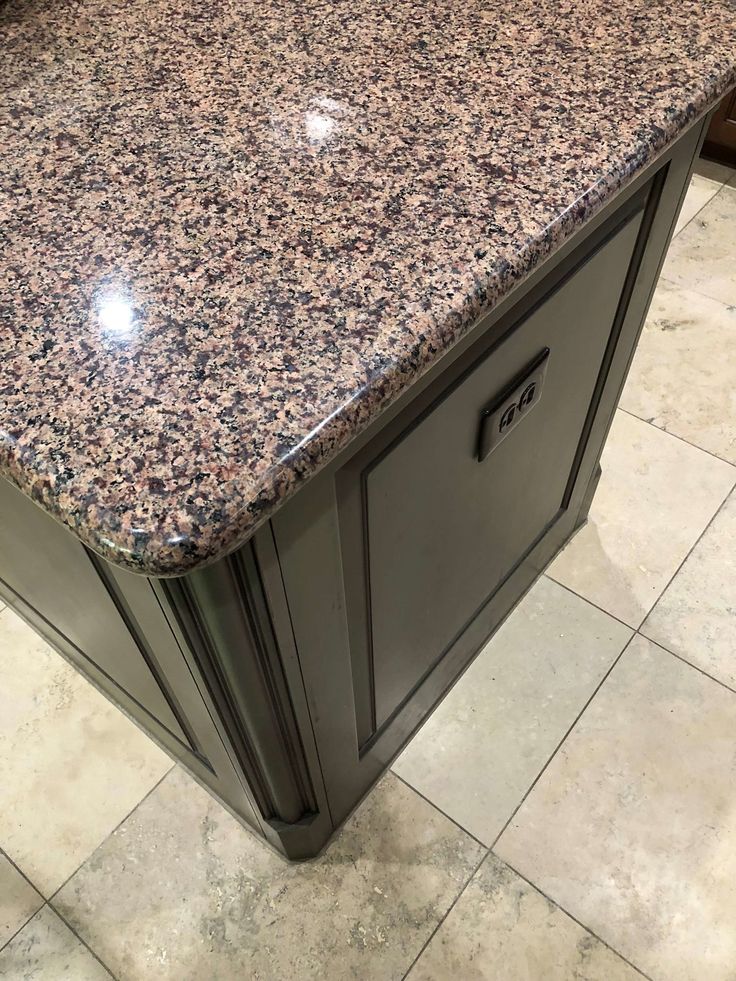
(322, 553)
(109, 624)
(42, 564)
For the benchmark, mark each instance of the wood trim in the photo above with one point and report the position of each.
(137, 636)
(223, 614)
(651, 206)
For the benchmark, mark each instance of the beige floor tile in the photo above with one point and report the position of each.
(181, 891)
(18, 900)
(47, 950)
(702, 256)
(682, 378)
(696, 616)
(482, 749)
(717, 172)
(655, 497)
(632, 828)
(701, 190)
(501, 929)
(73, 765)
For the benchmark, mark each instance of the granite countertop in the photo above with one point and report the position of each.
(232, 233)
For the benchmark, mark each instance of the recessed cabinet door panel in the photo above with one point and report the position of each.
(444, 528)
(36, 556)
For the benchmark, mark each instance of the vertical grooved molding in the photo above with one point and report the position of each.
(224, 615)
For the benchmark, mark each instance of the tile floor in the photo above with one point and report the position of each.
(569, 812)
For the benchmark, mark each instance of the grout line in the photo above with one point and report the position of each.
(568, 913)
(689, 553)
(675, 435)
(728, 305)
(531, 787)
(50, 903)
(20, 871)
(681, 657)
(728, 182)
(692, 289)
(148, 793)
(691, 220)
(439, 809)
(491, 850)
(529, 790)
(46, 903)
(562, 740)
(669, 581)
(23, 925)
(429, 939)
(41, 896)
(590, 602)
(719, 187)
(82, 941)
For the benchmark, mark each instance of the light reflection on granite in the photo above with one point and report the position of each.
(234, 234)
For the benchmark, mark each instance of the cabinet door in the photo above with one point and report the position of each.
(444, 517)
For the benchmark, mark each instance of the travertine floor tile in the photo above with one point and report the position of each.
(701, 257)
(501, 929)
(700, 192)
(696, 616)
(719, 173)
(481, 750)
(655, 497)
(47, 950)
(18, 900)
(181, 891)
(632, 828)
(73, 765)
(682, 378)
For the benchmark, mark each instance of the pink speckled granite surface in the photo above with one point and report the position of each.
(233, 232)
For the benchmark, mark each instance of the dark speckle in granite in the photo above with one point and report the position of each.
(232, 233)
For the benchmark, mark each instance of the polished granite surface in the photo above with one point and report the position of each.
(568, 812)
(233, 235)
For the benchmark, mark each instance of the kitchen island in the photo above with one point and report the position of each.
(313, 321)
